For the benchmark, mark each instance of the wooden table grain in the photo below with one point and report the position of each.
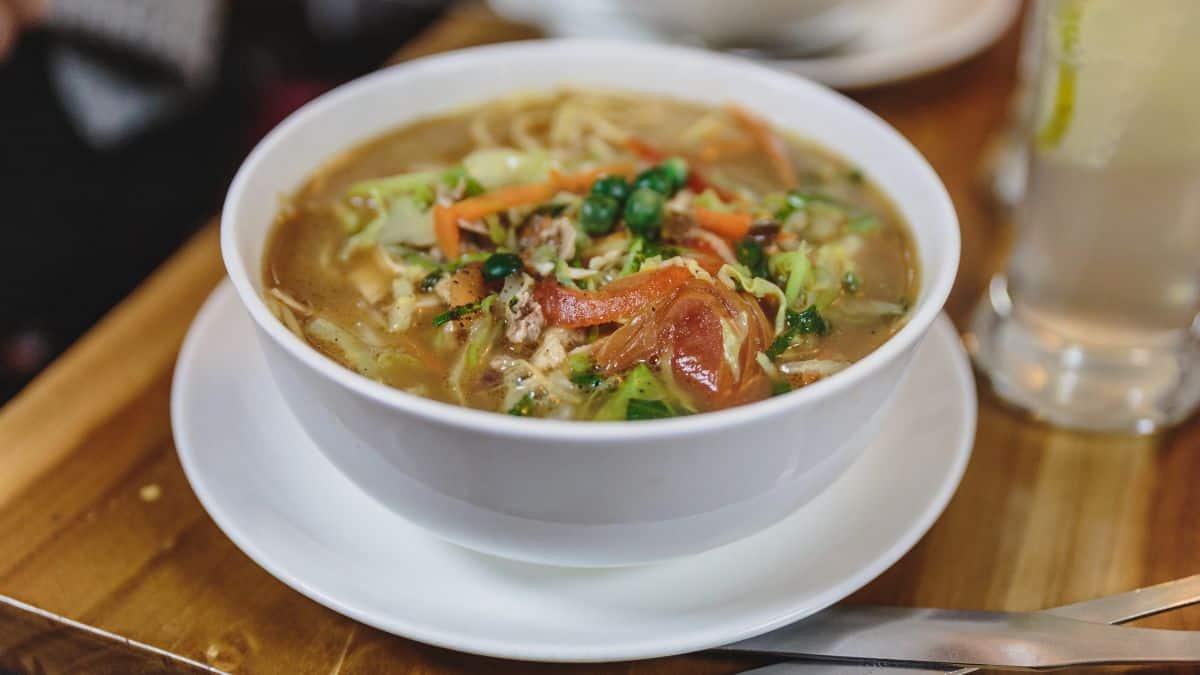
(97, 522)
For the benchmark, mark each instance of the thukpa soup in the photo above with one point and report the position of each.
(591, 256)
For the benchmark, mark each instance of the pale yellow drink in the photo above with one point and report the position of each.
(1094, 323)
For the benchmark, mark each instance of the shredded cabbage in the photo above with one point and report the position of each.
(354, 351)
(499, 167)
(640, 383)
(709, 200)
(737, 277)
(799, 271)
(863, 307)
(820, 367)
(417, 182)
(686, 263)
(404, 220)
(732, 338)
(521, 378)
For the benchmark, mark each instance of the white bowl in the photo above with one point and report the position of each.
(584, 493)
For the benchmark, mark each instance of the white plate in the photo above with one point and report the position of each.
(289, 509)
(907, 38)
(879, 41)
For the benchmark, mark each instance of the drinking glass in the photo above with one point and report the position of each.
(1095, 323)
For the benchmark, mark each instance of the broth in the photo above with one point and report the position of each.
(591, 255)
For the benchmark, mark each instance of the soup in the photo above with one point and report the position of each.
(591, 256)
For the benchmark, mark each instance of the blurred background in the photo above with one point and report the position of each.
(121, 123)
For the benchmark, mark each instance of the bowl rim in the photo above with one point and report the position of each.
(945, 228)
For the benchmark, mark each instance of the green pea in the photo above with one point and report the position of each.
(657, 179)
(500, 265)
(676, 169)
(750, 253)
(598, 213)
(644, 212)
(612, 186)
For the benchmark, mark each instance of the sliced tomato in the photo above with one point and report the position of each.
(688, 331)
(614, 302)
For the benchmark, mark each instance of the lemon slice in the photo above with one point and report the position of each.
(1119, 81)
(1055, 124)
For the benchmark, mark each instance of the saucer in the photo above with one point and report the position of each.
(276, 496)
(907, 38)
(862, 44)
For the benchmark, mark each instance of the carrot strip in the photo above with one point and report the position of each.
(718, 149)
(776, 152)
(446, 218)
(733, 225)
(445, 228)
(499, 200)
(644, 150)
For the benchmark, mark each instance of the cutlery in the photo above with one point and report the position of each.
(36, 641)
(899, 641)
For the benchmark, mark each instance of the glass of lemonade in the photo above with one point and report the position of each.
(1095, 324)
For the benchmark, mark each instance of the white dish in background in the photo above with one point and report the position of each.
(581, 492)
(871, 42)
(285, 505)
(907, 38)
(799, 24)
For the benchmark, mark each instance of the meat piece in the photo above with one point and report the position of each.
(708, 333)
(463, 287)
(523, 317)
(556, 342)
(541, 230)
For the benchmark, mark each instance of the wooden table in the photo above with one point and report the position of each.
(97, 522)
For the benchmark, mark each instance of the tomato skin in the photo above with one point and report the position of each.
(615, 302)
(686, 331)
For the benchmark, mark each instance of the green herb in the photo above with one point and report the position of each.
(750, 253)
(656, 248)
(863, 224)
(615, 187)
(647, 409)
(656, 179)
(644, 212)
(471, 188)
(850, 282)
(587, 381)
(808, 322)
(855, 176)
(780, 387)
(524, 407)
(639, 383)
(455, 313)
(792, 201)
(796, 200)
(500, 265)
(431, 280)
(598, 214)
